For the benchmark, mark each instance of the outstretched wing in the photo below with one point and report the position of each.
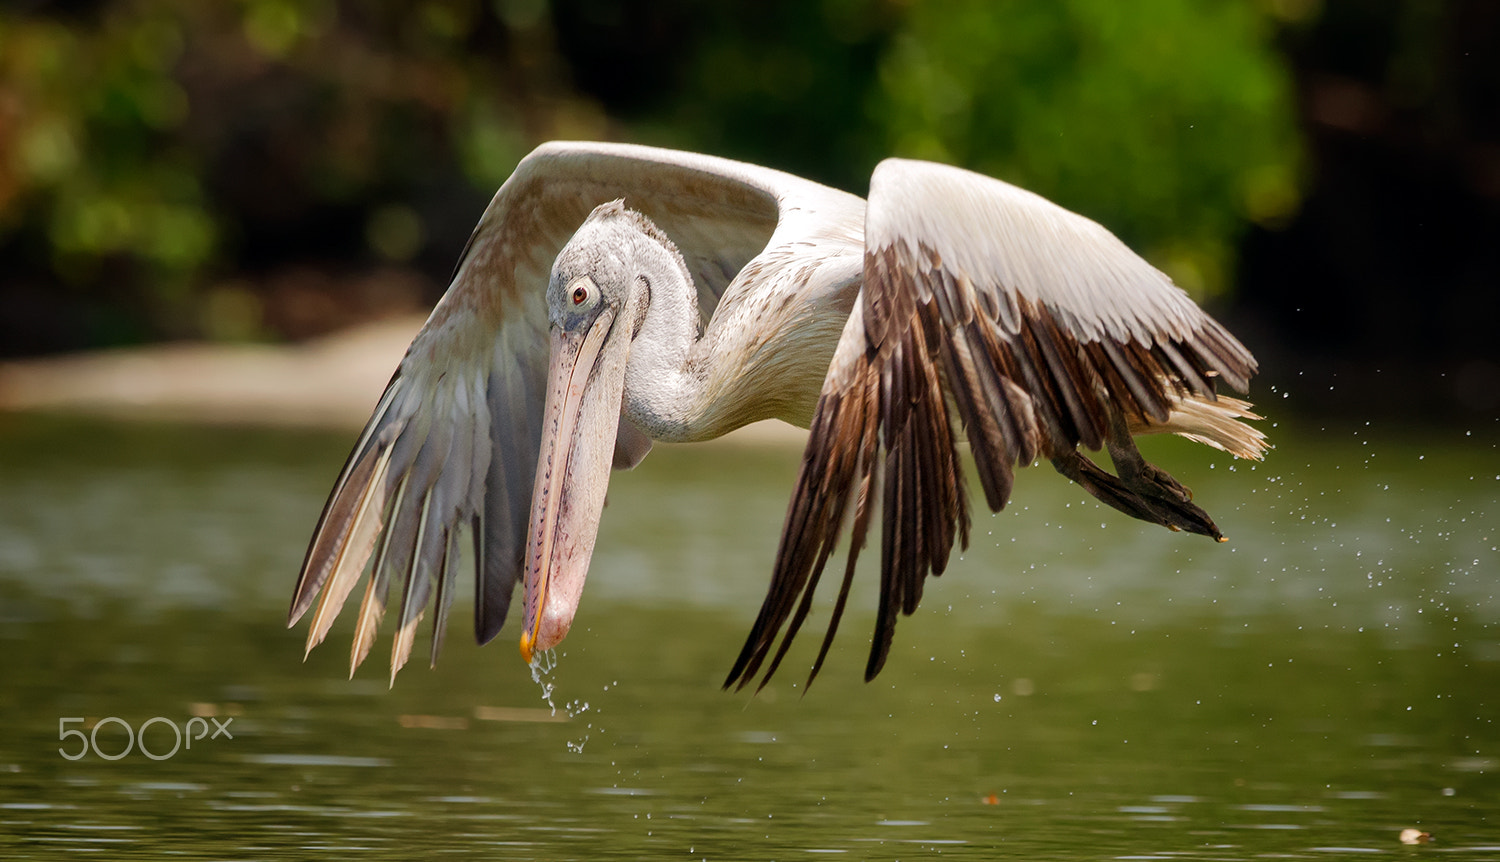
(452, 445)
(1035, 323)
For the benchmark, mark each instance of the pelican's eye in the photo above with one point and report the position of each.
(580, 296)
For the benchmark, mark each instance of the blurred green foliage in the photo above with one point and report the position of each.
(150, 150)
(87, 148)
(1169, 121)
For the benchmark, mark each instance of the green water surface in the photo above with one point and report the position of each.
(1077, 686)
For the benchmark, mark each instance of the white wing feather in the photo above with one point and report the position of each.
(452, 446)
(1036, 326)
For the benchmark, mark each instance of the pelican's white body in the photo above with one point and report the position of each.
(776, 291)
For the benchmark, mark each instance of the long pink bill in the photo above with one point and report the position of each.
(585, 381)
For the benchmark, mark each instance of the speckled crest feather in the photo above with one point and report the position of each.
(618, 208)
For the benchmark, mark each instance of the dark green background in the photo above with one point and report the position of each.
(1324, 173)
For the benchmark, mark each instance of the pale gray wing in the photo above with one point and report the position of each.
(452, 445)
(1035, 323)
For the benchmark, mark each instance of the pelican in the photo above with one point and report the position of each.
(614, 295)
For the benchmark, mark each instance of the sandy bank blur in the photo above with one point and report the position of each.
(330, 382)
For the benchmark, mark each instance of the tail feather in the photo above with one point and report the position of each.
(1217, 423)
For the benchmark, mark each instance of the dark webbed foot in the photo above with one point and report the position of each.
(1142, 490)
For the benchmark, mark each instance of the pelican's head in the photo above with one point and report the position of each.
(596, 301)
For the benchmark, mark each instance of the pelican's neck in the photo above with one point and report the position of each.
(664, 386)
